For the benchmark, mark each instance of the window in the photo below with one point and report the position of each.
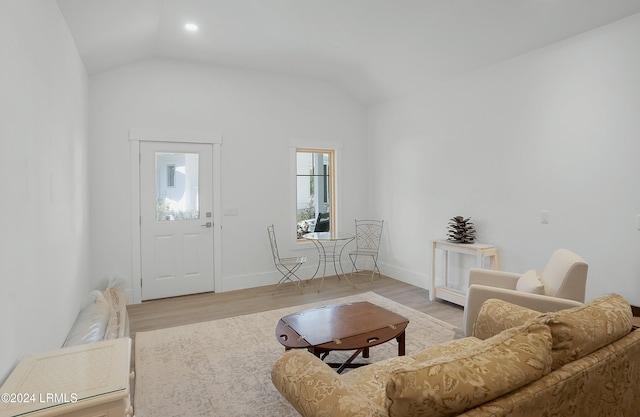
(177, 196)
(314, 189)
(171, 175)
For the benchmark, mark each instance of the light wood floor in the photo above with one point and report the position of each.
(170, 312)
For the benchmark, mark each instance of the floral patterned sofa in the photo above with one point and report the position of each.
(583, 361)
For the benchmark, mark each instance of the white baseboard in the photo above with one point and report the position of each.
(241, 282)
(405, 275)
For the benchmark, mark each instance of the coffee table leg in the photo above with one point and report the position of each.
(348, 361)
(400, 340)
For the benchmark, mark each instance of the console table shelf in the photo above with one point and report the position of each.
(480, 250)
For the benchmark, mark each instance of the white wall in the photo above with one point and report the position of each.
(557, 129)
(44, 211)
(259, 115)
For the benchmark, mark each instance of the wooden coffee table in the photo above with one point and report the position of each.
(355, 326)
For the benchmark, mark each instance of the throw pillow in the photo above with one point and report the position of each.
(371, 380)
(582, 330)
(497, 315)
(447, 386)
(530, 282)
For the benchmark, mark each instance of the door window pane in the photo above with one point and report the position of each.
(177, 186)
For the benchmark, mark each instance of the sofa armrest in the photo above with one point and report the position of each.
(491, 278)
(478, 294)
(314, 389)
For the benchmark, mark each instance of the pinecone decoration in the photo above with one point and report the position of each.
(461, 230)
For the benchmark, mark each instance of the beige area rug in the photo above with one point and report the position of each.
(223, 367)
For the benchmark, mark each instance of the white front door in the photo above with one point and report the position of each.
(176, 222)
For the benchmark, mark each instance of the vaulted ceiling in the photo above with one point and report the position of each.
(372, 49)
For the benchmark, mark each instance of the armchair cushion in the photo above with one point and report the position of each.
(449, 385)
(530, 282)
(565, 275)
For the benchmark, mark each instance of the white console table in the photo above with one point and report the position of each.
(81, 381)
(479, 250)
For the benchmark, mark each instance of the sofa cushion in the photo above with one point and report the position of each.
(530, 282)
(371, 380)
(446, 349)
(582, 330)
(447, 386)
(497, 315)
(315, 389)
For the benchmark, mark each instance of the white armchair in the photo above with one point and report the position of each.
(560, 285)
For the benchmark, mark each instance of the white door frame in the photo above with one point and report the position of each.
(180, 136)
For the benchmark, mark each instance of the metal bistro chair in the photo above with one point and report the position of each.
(286, 266)
(368, 234)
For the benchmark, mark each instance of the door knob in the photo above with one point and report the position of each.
(207, 224)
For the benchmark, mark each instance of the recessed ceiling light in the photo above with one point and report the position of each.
(191, 27)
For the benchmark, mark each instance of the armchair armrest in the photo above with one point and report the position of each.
(314, 389)
(491, 278)
(478, 294)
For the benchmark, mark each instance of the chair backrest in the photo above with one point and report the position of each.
(565, 276)
(274, 244)
(368, 234)
(323, 223)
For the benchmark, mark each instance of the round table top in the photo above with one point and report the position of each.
(340, 327)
